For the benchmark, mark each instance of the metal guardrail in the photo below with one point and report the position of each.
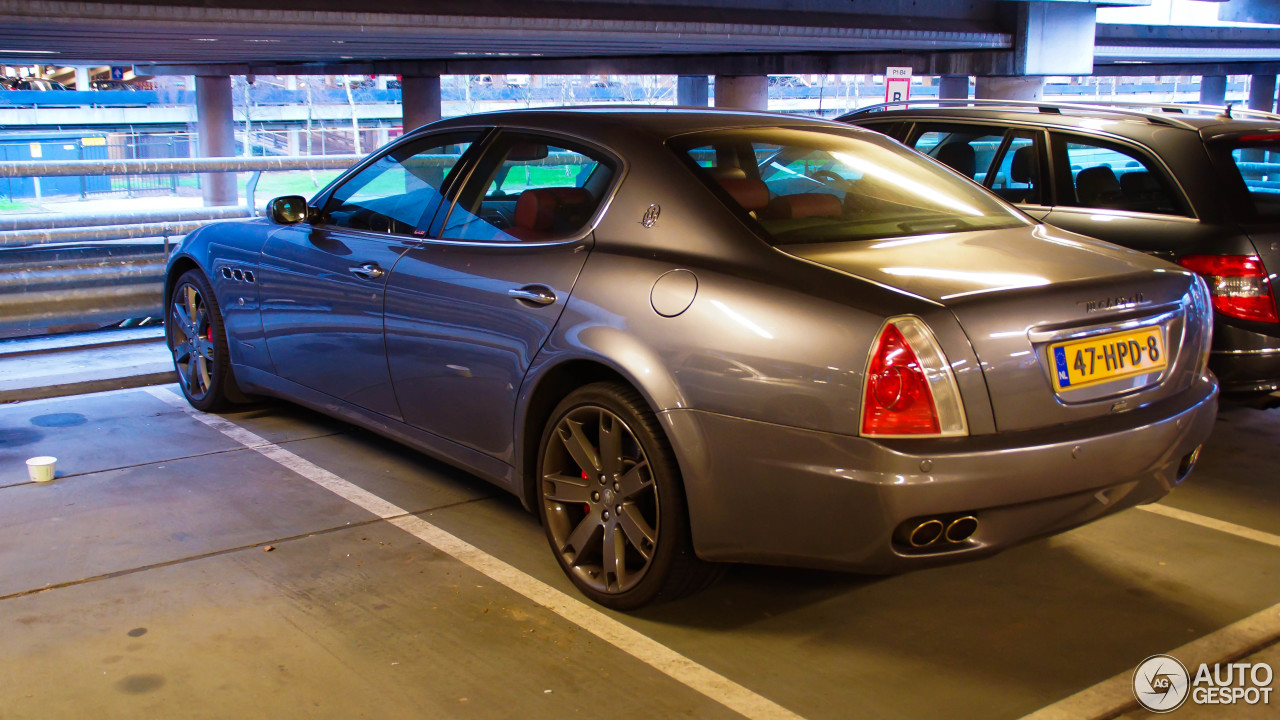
(91, 281)
(63, 168)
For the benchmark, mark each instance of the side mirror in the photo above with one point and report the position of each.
(287, 210)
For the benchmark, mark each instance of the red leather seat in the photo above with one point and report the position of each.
(750, 194)
(803, 205)
(550, 212)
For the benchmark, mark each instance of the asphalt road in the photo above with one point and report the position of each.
(171, 571)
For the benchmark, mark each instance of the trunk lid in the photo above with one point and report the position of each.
(1020, 292)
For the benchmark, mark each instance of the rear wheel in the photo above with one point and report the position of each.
(612, 502)
(199, 343)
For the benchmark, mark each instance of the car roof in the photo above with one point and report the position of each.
(1136, 120)
(665, 121)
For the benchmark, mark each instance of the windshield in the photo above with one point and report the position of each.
(1258, 161)
(806, 186)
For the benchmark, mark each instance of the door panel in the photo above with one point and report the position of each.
(322, 311)
(459, 343)
(466, 313)
(323, 283)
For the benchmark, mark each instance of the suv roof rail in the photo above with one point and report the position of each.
(1228, 112)
(1151, 113)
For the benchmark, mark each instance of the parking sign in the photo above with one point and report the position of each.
(897, 84)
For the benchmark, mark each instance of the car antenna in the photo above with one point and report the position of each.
(1226, 112)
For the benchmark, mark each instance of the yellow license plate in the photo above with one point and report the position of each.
(1107, 357)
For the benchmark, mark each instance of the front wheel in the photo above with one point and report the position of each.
(199, 343)
(612, 502)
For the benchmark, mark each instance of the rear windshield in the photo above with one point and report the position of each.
(1258, 161)
(808, 186)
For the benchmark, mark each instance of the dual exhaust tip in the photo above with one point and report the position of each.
(934, 530)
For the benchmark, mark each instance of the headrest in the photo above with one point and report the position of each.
(536, 209)
(1097, 184)
(540, 208)
(790, 207)
(1022, 169)
(750, 194)
(727, 173)
(1138, 184)
(959, 156)
(571, 195)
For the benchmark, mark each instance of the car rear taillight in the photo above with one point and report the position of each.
(1238, 283)
(909, 390)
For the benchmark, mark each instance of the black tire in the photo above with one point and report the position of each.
(619, 528)
(198, 341)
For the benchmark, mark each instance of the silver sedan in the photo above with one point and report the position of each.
(686, 338)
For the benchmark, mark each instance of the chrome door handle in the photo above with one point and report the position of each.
(368, 271)
(536, 294)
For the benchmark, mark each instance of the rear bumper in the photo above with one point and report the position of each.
(772, 494)
(1245, 361)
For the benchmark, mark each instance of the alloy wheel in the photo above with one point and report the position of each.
(600, 500)
(193, 351)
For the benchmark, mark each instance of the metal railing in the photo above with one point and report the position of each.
(85, 278)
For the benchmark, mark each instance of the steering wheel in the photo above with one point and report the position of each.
(826, 177)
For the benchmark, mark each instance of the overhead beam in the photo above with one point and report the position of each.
(1190, 68)
(993, 62)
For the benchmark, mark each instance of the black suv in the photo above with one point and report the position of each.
(1190, 184)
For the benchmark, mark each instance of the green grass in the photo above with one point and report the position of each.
(10, 206)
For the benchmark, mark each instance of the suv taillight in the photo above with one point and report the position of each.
(909, 390)
(1238, 283)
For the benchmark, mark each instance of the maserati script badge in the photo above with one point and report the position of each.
(651, 216)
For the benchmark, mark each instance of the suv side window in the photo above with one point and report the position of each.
(967, 149)
(392, 194)
(1016, 176)
(1112, 176)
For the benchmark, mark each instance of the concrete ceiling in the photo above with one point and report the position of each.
(573, 36)
(174, 34)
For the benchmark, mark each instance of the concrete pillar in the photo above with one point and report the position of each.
(1262, 93)
(82, 78)
(216, 127)
(1009, 88)
(419, 100)
(742, 92)
(692, 90)
(1053, 38)
(953, 87)
(1213, 90)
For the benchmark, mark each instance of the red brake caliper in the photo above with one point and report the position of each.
(585, 507)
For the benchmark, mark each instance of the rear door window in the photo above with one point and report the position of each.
(1016, 174)
(1111, 176)
(527, 188)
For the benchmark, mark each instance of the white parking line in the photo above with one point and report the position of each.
(1213, 524)
(640, 646)
(1114, 696)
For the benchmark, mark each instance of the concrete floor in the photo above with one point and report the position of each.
(137, 585)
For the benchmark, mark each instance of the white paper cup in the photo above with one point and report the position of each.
(41, 468)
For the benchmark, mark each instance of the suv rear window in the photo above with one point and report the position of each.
(804, 186)
(1258, 162)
